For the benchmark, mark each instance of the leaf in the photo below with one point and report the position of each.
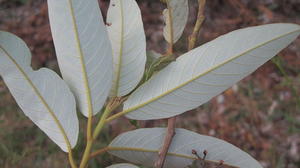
(42, 95)
(199, 75)
(122, 165)
(179, 15)
(127, 36)
(83, 51)
(141, 146)
(155, 63)
(152, 58)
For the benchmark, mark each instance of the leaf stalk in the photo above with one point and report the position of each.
(199, 21)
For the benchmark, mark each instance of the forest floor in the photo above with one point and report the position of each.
(261, 114)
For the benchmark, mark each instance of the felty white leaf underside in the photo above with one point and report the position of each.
(122, 165)
(83, 51)
(179, 13)
(127, 36)
(141, 146)
(207, 71)
(42, 95)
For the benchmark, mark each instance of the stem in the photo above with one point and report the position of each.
(111, 106)
(172, 121)
(98, 152)
(115, 116)
(200, 19)
(86, 154)
(87, 151)
(71, 160)
(170, 49)
(89, 144)
(167, 142)
(97, 130)
(192, 38)
(101, 123)
(89, 127)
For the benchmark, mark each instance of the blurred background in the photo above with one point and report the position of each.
(261, 114)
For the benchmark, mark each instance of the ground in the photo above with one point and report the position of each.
(261, 114)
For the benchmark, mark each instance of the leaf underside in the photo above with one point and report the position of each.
(199, 75)
(122, 165)
(179, 13)
(83, 51)
(42, 95)
(141, 146)
(127, 36)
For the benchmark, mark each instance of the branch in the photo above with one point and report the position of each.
(170, 49)
(200, 19)
(192, 42)
(171, 121)
(71, 159)
(167, 142)
(111, 106)
(117, 115)
(98, 152)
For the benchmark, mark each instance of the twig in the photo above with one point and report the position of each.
(111, 106)
(71, 159)
(200, 19)
(171, 121)
(170, 49)
(98, 152)
(167, 142)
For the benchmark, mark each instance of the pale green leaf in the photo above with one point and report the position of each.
(83, 51)
(42, 95)
(179, 16)
(152, 58)
(156, 62)
(199, 75)
(127, 36)
(122, 165)
(141, 146)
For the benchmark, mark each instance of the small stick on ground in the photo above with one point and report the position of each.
(167, 142)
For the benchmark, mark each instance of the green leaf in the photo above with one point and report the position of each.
(134, 123)
(127, 36)
(199, 75)
(83, 51)
(155, 63)
(141, 146)
(42, 95)
(152, 58)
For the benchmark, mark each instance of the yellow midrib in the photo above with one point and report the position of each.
(117, 85)
(200, 75)
(83, 67)
(110, 148)
(41, 98)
